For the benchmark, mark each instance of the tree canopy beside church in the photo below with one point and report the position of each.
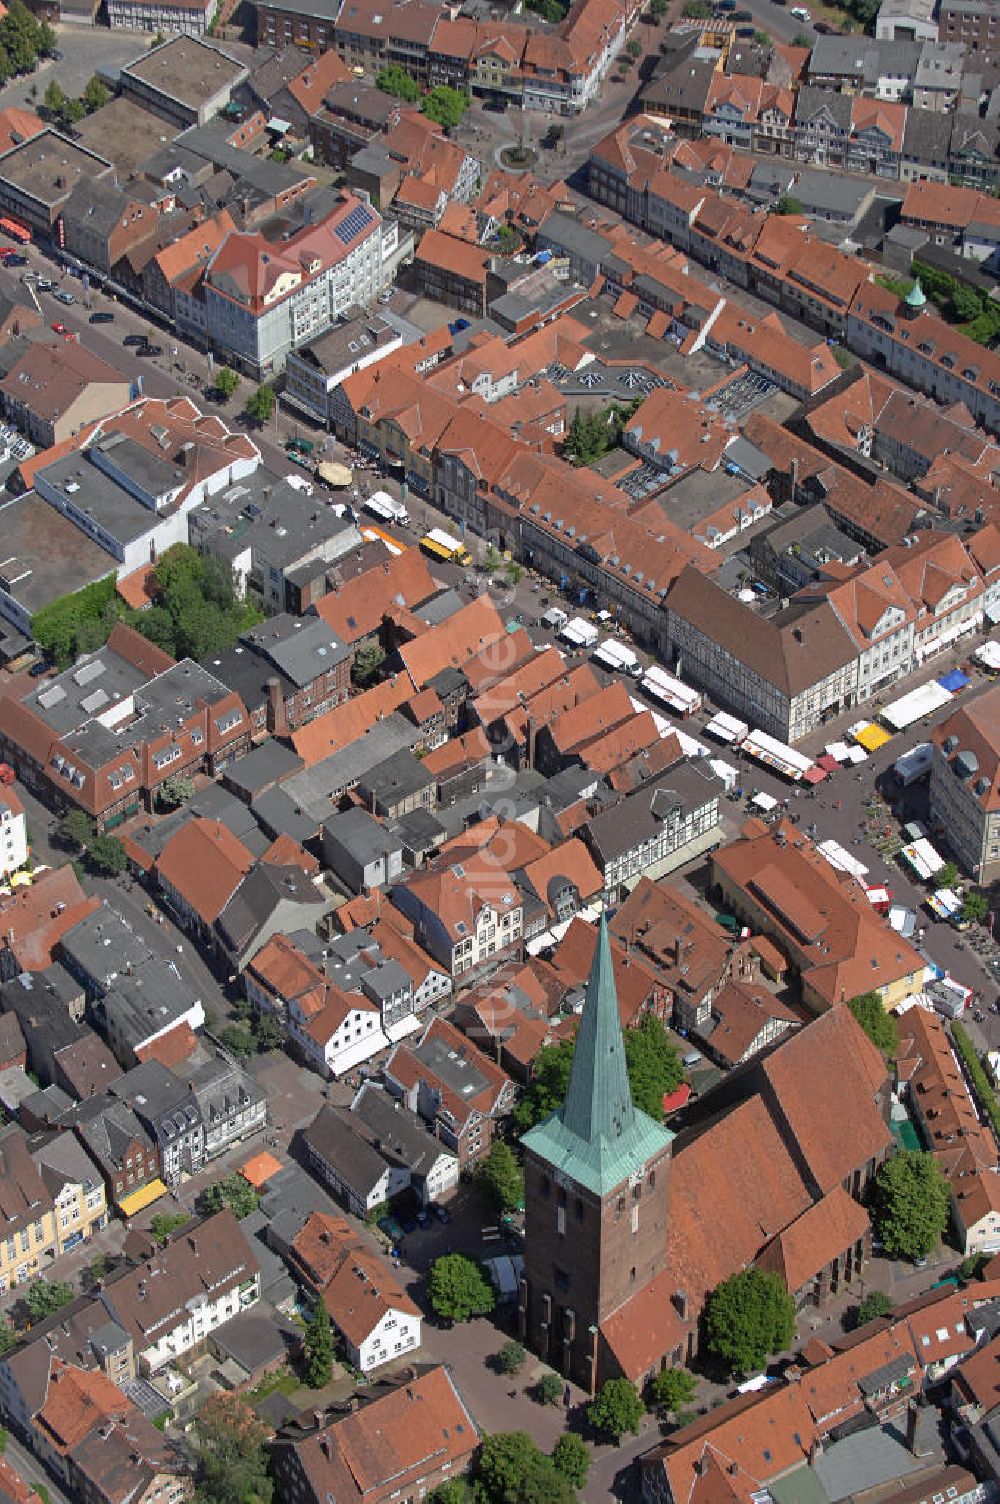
(654, 1069)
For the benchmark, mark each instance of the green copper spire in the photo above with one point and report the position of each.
(599, 1099)
(598, 1138)
(916, 298)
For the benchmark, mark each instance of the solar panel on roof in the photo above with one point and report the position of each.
(359, 219)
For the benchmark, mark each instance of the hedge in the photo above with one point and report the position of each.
(981, 1084)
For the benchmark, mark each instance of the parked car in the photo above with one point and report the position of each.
(391, 1228)
(58, 328)
(134, 339)
(102, 318)
(150, 350)
(423, 1220)
(441, 1212)
(41, 667)
(62, 296)
(11, 258)
(45, 284)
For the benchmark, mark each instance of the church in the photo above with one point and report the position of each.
(627, 1230)
(595, 1185)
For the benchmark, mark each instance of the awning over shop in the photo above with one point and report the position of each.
(954, 681)
(871, 737)
(136, 1201)
(334, 474)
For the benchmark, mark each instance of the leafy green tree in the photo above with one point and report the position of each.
(268, 1033)
(8, 1336)
(45, 39)
(259, 406)
(658, 9)
(232, 1191)
(319, 1347)
(749, 1316)
(368, 659)
(94, 1272)
(696, 10)
(549, 10)
(452, 1491)
(492, 559)
(761, 39)
(975, 906)
(909, 1204)
(457, 1288)
(547, 1089)
(654, 1067)
(512, 1470)
(879, 1025)
(226, 382)
(507, 239)
(550, 1389)
(73, 111)
(75, 829)
(95, 95)
(514, 572)
(397, 81)
(673, 1388)
(501, 1178)
(788, 204)
(571, 1457)
(445, 105)
(177, 789)
(165, 1224)
(108, 855)
(618, 1408)
(633, 48)
(231, 1453)
(948, 875)
(876, 1303)
(157, 625)
(511, 1358)
(966, 304)
(54, 98)
(57, 628)
(46, 1296)
(237, 1040)
(802, 39)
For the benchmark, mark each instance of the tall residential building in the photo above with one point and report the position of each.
(595, 1195)
(269, 291)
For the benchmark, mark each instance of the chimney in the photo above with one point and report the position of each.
(681, 1304)
(277, 720)
(532, 740)
(917, 1447)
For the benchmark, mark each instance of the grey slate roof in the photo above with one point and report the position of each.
(640, 816)
(360, 835)
(333, 1137)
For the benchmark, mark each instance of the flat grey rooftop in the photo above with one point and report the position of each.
(44, 555)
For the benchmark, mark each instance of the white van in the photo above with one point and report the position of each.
(801, 14)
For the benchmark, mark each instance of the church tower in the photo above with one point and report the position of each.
(595, 1194)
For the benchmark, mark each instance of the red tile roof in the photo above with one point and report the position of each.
(204, 863)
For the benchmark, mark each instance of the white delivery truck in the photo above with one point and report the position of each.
(387, 508)
(618, 658)
(579, 633)
(913, 764)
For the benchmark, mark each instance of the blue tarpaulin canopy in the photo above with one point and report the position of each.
(954, 681)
